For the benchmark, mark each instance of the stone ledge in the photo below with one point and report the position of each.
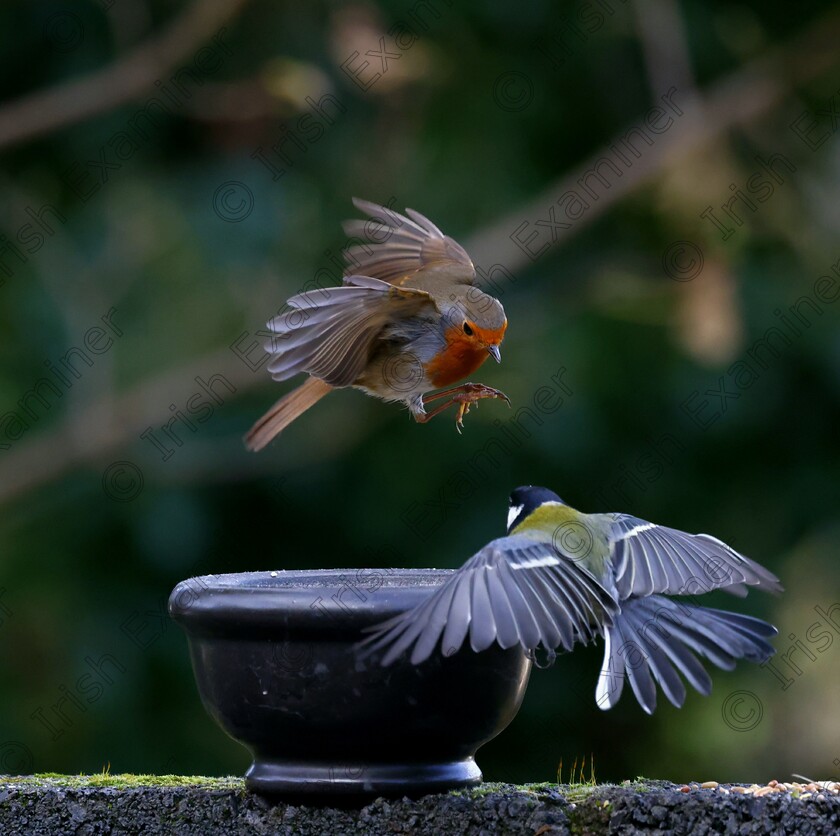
(165, 805)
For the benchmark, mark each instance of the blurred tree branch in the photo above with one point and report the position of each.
(122, 81)
(111, 422)
(738, 99)
(662, 36)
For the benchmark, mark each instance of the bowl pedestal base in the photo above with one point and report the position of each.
(309, 780)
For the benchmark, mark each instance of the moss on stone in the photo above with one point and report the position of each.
(574, 793)
(127, 781)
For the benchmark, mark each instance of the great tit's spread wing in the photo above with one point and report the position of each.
(654, 640)
(513, 591)
(397, 246)
(649, 558)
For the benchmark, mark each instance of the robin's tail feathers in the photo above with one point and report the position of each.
(654, 638)
(285, 411)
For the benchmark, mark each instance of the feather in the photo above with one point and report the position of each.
(330, 334)
(285, 411)
(492, 598)
(653, 639)
(398, 246)
(650, 558)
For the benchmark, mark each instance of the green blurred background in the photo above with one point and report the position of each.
(195, 207)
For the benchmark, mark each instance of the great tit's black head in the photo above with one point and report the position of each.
(525, 500)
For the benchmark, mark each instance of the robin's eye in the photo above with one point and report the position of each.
(467, 330)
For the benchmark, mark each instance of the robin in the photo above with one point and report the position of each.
(408, 319)
(561, 577)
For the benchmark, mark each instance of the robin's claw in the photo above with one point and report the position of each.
(482, 391)
(463, 409)
(464, 396)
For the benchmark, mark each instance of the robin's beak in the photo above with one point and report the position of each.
(496, 354)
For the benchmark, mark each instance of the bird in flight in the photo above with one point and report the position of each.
(408, 320)
(561, 576)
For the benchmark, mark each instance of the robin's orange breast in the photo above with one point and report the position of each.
(460, 358)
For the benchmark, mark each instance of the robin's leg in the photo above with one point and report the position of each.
(475, 391)
(463, 396)
(425, 417)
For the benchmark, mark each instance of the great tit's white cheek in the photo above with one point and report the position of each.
(513, 513)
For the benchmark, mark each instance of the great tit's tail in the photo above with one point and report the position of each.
(285, 411)
(654, 638)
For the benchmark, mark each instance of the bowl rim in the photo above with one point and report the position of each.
(317, 600)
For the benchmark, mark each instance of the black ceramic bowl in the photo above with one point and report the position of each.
(276, 666)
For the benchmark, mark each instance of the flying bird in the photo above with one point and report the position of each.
(561, 576)
(409, 319)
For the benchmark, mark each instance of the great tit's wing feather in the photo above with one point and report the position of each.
(662, 669)
(543, 604)
(404, 633)
(656, 639)
(450, 606)
(555, 624)
(428, 637)
(458, 618)
(393, 246)
(600, 608)
(398, 632)
(688, 665)
(483, 624)
(745, 623)
(577, 627)
(668, 562)
(638, 671)
(513, 591)
(632, 561)
(682, 555)
(330, 332)
(700, 642)
(577, 604)
(506, 621)
(754, 574)
(525, 607)
(649, 558)
(611, 677)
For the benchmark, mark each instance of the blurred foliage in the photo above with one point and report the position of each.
(81, 573)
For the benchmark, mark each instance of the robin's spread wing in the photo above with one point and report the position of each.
(329, 332)
(514, 591)
(650, 558)
(400, 246)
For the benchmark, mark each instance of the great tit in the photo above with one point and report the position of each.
(561, 576)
